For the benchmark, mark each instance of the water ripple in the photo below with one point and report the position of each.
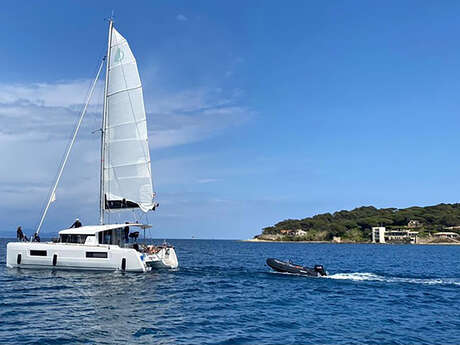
(374, 294)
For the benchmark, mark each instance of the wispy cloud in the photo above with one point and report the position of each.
(180, 17)
(43, 111)
(181, 129)
(193, 115)
(59, 94)
(38, 119)
(207, 180)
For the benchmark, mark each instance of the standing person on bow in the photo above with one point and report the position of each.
(20, 234)
(126, 231)
(76, 224)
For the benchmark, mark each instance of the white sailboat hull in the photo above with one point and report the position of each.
(74, 256)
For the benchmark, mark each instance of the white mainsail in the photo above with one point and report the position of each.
(127, 179)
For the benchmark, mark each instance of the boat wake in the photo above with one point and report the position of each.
(364, 276)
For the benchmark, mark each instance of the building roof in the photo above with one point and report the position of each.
(455, 227)
(445, 233)
(93, 229)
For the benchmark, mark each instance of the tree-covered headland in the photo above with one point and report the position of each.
(355, 225)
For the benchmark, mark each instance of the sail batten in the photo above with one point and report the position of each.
(127, 171)
(128, 123)
(116, 92)
(124, 140)
(128, 164)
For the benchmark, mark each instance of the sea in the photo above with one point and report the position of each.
(223, 293)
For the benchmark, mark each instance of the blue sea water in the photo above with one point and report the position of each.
(223, 293)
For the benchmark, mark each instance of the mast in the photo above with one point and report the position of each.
(104, 116)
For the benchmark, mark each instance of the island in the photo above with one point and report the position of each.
(367, 224)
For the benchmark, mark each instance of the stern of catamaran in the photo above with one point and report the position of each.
(163, 256)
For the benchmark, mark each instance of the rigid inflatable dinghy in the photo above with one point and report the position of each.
(288, 267)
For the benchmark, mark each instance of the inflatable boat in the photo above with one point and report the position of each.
(289, 267)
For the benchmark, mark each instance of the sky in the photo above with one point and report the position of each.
(257, 111)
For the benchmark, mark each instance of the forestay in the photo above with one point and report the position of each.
(127, 170)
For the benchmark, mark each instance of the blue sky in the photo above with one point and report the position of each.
(257, 111)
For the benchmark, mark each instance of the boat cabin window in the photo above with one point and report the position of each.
(73, 238)
(100, 255)
(38, 252)
(91, 240)
(114, 236)
(105, 237)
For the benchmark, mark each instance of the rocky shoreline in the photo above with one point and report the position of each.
(348, 242)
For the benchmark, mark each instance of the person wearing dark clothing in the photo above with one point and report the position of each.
(20, 234)
(76, 224)
(126, 229)
(36, 238)
(134, 235)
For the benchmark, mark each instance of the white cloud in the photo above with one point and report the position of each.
(187, 101)
(192, 115)
(38, 120)
(181, 129)
(180, 17)
(59, 94)
(47, 111)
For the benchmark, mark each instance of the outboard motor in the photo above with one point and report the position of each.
(320, 269)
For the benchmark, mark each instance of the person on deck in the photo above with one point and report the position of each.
(126, 230)
(36, 238)
(76, 224)
(20, 234)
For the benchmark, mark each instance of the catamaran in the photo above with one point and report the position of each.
(125, 183)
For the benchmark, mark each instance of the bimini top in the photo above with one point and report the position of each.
(93, 229)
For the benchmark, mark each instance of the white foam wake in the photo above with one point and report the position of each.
(364, 276)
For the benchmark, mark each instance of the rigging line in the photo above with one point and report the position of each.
(147, 219)
(69, 148)
(69, 139)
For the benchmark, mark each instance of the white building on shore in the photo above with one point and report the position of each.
(452, 235)
(381, 235)
(378, 234)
